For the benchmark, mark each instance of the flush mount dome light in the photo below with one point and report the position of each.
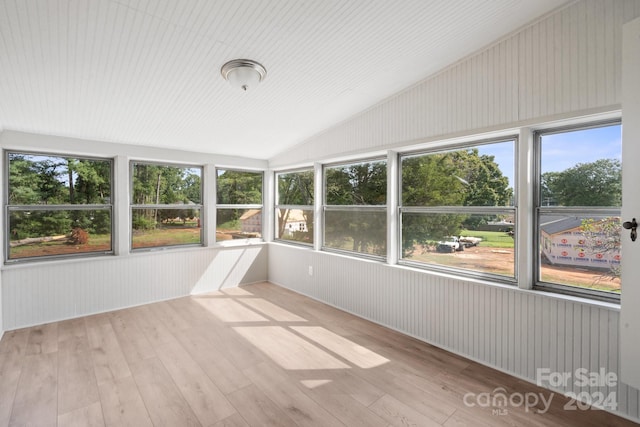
(243, 73)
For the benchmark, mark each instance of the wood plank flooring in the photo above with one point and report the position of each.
(253, 356)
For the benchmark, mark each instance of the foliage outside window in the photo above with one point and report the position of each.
(294, 206)
(355, 217)
(457, 209)
(57, 206)
(166, 205)
(578, 209)
(239, 204)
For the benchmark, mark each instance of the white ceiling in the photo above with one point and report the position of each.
(147, 71)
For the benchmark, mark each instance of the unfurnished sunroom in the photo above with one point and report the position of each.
(319, 213)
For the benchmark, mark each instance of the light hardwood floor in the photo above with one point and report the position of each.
(258, 355)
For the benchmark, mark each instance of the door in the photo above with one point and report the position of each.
(630, 300)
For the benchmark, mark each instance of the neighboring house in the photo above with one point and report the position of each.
(251, 221)
(295, 222)
(563, 243)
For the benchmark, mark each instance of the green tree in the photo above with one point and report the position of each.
(50, 181)
(485, 185)
(449, 179)
(431, 180)
(164, 185)
(547, 197)
(362, 184)
(37, 181)
(597, 183)
(237, 188)
(23, 181)
(192, 186)
(92, 181)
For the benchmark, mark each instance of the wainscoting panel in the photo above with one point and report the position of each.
(512, 330)
(42, 292)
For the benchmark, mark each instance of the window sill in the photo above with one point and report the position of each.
(46, 262)
(237, 242)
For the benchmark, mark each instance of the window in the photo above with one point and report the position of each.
(355, 218)
(239, 204)
(578, 209)
(57, 206)
(166, 205)
(457, 209)
(294, 206)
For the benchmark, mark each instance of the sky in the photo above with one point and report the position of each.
(561, 151)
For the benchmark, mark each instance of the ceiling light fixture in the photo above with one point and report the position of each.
(243, 73)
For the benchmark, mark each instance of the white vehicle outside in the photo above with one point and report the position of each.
(457, 244)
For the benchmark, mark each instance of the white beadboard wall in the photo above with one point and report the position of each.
(564, 64)
(507, 328)
(49, 291)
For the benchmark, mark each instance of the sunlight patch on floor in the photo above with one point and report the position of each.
(287, 349)
(354, 353)
(228, 310)
(236, 292)
(269, 309)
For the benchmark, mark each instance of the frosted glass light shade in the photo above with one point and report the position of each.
(243, 73)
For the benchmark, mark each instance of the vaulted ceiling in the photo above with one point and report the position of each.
(148, 71)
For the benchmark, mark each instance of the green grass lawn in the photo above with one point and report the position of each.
(491, 239)
(230, 225)
(168, 236)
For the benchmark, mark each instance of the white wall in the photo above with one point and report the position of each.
(564, 67)
(45, 291)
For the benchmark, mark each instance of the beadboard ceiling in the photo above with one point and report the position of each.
(148, 71)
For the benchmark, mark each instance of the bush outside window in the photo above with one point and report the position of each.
(355, 217)
(578, 210)
(457, 209)
(57, 206)
(239, 204)
(166, 205)
(294, 206)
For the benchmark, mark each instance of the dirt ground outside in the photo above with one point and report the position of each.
(477, 258)
(501, 261)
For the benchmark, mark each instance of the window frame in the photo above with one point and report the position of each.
(59, 207)
(278, 206)
(539, 210)
(219, 206)
(480, 210)
(353, 208)
(133, 206)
